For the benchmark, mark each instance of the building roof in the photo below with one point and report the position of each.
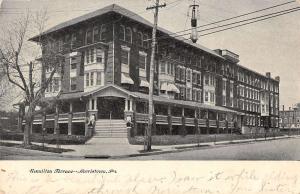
(127, 13)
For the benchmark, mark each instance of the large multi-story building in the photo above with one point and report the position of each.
(290, 119)
(105, 74)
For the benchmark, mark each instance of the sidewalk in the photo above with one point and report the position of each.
(118, 148)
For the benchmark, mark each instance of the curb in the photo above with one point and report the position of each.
(195, 147)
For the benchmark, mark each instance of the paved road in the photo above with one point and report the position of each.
(284, 149)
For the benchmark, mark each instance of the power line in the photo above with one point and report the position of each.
(238, 16)
(275, 14)
(250, 22)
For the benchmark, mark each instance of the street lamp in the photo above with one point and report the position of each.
(194, 32)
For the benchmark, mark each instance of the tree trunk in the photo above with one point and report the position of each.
(27, 130)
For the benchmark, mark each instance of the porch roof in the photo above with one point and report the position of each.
(193, 104)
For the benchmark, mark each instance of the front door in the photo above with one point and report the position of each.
(110, 108)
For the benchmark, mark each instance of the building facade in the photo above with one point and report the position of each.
(104, 75)
(290, 119)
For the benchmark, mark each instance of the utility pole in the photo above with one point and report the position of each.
(150, 121)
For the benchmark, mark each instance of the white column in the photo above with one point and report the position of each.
(130, 104)
(95, 104)
(126, 104)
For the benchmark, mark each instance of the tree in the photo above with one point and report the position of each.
(22, 69)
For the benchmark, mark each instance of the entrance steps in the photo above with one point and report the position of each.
(106, 128)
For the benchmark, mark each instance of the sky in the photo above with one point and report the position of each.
(268, 46)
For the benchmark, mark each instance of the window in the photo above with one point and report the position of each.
(99, 55)
(92, 55)
(199, 95)
(224, 85)
(182, 72)
(177, 73)
(168, 67)
(122, 33)
(162, 68)
(188, 94)
(188, 75)
(73, 63)
(73, 40)
(87, 79)
(194, 78)
(87, 56)
(195, 95)
(89, 38)
(140, 38)
(73, 83)
(125, 57)
(224, 100)
(103, 32)
(146, 41)
(206, 79)
(199, 78)
(128, 35)
(92, 78)
(98, 81)
(206, 96)
(55, 85)
(96, 34)
(142, 62)
(231, 87)
(212, 97)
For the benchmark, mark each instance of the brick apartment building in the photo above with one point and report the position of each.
(105, 74)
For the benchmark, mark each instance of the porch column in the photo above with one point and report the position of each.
(70, 119)
(56, 127)
(183, 122)
(130, 104)
(217, 122)
(169, 119)
(207, 121)
(226, 122)
(197, 120)
(126, 104)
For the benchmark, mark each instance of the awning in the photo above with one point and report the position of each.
(144, 83)
(164, 86)
(125, 79)
(173, 88)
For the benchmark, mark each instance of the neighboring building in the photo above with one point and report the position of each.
(105, 73)
(290, 119)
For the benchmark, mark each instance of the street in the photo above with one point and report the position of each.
(284, 149)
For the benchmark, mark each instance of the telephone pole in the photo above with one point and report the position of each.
(153, 44)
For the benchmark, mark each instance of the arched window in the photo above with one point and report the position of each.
(122, 33)
(140, 38)
(128, 35)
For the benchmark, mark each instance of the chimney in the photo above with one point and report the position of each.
(268, 74)
(290, 108)
(277, 78)
(282, 107)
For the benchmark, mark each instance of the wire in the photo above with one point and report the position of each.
(274, 15)
(250, 22)
(245, 14)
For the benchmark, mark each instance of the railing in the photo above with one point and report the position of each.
(230, 124)
(212, 123)
(222, 124)
(64, 116)
(176, 120)
(202, 122)
(50, 117)
(38, 117)
(141, 118)
(189, 121)
(79, 116)
(161, 119)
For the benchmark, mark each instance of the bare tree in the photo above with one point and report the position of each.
(20, 70)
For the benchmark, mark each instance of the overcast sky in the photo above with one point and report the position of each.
(272, 45)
